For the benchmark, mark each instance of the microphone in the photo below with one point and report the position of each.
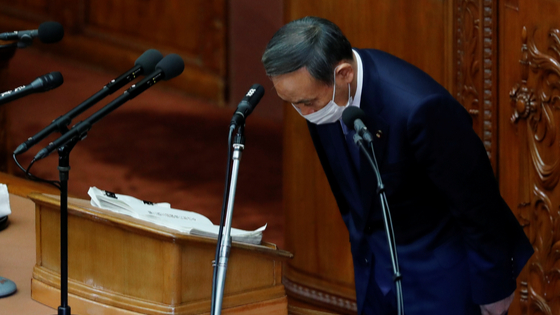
(48, 32)
(43, 83)
(169, 67)
(146, 63)
(247, 104)
(353, 117)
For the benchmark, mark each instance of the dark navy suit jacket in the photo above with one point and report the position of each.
(458, 243)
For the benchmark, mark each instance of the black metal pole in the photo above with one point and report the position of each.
(64, 170)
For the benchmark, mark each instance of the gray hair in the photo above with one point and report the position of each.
(311, 42)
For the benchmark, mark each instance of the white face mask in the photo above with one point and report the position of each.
(331, 112)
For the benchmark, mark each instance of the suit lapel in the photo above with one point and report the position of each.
(336, 149)
(373, 107)
(368, 182)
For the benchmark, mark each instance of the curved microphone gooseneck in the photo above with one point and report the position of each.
(353, 117)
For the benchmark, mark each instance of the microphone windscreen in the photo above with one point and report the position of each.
(171, 65)
(50, 32)
(53, 80)
(257, 92)
(47, 82)
(148, 60)
(350, 114)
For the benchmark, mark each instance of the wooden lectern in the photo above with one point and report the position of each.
(121, 265)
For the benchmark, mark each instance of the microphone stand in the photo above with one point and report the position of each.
(64, 169)
(224, 245)
(397, 276)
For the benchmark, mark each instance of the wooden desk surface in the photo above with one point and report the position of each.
(17, 247)
(17, 258)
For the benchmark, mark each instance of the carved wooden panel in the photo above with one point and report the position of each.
(476, 67)
(535, 101)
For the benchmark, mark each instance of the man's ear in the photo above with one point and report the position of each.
(345, 73)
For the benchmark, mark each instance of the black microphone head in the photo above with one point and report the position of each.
(148, 60)
(53, 80)
(50, 32)
(254, 96)
(47, 82)
(247, 104)
(171, 65)
(350, 114)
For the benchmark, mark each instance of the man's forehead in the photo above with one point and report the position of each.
(296, 85)
(300, 75)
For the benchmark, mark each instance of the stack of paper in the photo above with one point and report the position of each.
(187, 222)
(5, 209)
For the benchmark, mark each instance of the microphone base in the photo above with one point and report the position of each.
(64, 310)
(4, 222)
(7, 287)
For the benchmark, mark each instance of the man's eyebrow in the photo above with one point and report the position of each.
(303, 101)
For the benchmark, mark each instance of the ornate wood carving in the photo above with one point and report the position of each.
(305, 292)
(468, 25)
(476, 59)
(535, 102)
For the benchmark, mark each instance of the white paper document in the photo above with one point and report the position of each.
(4, 201)
(187, 222)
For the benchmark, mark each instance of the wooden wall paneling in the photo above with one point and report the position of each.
(420, 32)
(26, 8)
(32, 12)
(112, 34)
(251, 24)
(188, 26)
(476, 67)
(5, 143)
(529, 142)
(416, 31)
(195, 30)
(5, 85)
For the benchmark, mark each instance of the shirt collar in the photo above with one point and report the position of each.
(359, 85)
(360, 75)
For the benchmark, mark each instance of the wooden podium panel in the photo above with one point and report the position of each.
(121, 265)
